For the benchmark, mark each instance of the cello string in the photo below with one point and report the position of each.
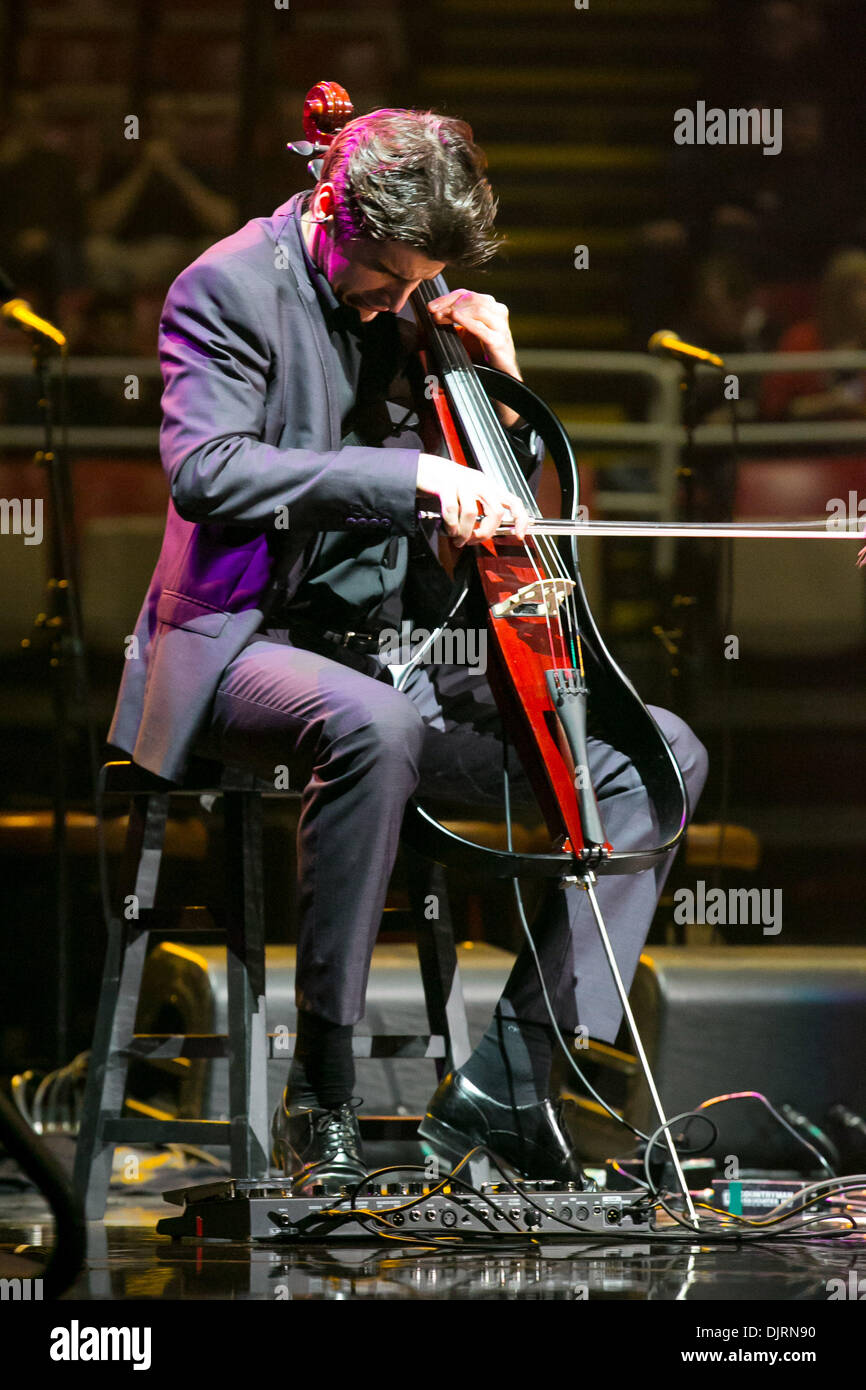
(551, 560)
(459, 377)
(489, 442)
(488, 439)
(546, 613)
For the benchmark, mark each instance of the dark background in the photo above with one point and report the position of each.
(575, 109)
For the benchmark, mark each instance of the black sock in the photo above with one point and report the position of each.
(323, 1069)
(512, 1061)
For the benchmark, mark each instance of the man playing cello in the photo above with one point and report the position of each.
(293, 389)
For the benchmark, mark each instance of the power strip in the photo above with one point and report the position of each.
(261, 1210)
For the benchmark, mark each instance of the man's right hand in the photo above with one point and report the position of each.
(472, 505)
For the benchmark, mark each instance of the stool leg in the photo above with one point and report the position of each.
(437, 956)
(247, 1021)
(118, 1004)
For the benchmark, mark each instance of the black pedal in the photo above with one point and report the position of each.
(244, 1210)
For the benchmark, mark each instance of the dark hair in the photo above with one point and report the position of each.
(415, 177)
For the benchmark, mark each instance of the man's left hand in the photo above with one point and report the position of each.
(482, 323)
(482, 318)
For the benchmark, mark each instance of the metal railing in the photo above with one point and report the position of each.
(661, 435)
(663, 432)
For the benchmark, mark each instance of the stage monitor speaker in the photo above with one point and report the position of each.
(786, 1021)
(185, 990)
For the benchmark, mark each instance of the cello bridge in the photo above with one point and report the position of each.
(539, 599)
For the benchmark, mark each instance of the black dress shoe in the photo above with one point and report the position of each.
(318, 1144)
(528, 1137)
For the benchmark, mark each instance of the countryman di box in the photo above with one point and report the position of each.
(786, 1021)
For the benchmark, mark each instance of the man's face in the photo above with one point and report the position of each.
(373, 277)
(376, 276)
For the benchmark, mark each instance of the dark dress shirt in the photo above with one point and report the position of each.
(357, 575)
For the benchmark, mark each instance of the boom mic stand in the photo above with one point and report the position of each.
(60, 629)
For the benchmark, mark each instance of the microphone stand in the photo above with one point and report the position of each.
(688, 601)
(61, 630)
(680, 641)
(676, 640)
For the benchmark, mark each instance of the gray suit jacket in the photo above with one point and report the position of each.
(250, 428)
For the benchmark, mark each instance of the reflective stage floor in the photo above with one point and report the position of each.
(127, 1259)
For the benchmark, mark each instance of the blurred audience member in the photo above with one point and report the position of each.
(782, 215)
(725, 315)
(786, 213)
(778, 45)
(840, 324)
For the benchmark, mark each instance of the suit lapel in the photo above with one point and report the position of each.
(288, 246)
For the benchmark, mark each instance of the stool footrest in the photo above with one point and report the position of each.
(180, 920)
(165, 1046)
(152, 1047)
(145, 1132)
(399, 1045)
(140, 1132)
(389, 1127)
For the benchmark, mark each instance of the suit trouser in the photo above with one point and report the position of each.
(362, 748)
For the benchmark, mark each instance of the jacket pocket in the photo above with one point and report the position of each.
(191, 614)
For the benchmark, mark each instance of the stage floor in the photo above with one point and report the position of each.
(128, 1260)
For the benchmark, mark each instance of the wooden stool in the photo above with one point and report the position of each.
(247, 1045)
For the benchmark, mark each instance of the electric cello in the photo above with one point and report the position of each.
(548, 666)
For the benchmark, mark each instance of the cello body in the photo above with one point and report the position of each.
(550, 672)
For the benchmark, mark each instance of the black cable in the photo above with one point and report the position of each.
(39, 1164)
(649, 1141)
(754, 1233)
(489, 1199)
(757, 1095)
(660, 1129)
(697, 1114)
(451, 1177)
(727, 735)
(537, 963)
(749, 1230)
(788, 1209)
